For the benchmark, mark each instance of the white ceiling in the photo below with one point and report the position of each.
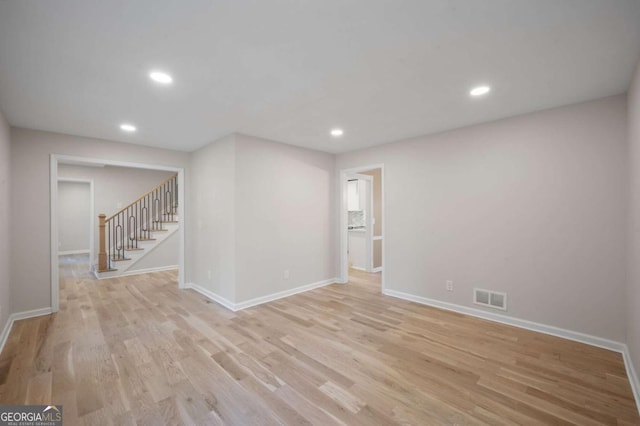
(290, 70)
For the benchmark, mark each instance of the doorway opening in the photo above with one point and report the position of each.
(362, 244)
(75, 223)
(115, 184)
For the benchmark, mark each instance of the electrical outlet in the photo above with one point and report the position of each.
(286, 274)
(449, 285)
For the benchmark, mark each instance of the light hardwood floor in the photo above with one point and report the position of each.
(137, 350)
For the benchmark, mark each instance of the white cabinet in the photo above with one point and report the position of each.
(356, 195)
(353, 196)
(358, 250)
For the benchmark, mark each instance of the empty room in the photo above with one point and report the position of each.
(261, 212)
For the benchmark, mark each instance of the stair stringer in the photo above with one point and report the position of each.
(121, 267)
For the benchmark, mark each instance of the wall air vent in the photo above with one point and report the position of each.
(490, 299)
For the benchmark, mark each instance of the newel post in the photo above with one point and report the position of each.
(102, 255)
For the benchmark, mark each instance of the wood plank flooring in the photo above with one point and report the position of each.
(137, 350)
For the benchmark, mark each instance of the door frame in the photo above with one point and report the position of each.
(91, 212)
(343, 220)
(55, 159)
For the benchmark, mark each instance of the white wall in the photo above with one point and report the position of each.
(5, 225)
(74, 210)
(261, 207)
(533, 205)
(162, 256)
(633, 291)
(117, 187)
(211, 227)
(30, 158)
(284, 217)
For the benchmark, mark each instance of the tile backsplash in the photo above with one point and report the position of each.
(356, 218)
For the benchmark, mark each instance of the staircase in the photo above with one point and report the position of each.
(133, 232)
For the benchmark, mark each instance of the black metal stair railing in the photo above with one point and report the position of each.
(122, 232)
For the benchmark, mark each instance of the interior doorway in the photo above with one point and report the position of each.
(62, 161)
(75, 221)
(362, 248)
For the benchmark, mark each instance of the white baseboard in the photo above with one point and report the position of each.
(17, 317)
(211, 295)
(633, 377)
(534, 326)
(279, 295)
(258, 300)
(357, 268)
(377, 269)
(516, 322)
(70, 252)
(137, 272)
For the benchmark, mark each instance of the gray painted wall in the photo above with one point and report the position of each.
(74, 216)
(284, 217)
(262, 208)
(534, 206)
(210, 234)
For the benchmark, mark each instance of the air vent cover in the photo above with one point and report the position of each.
(490, 299)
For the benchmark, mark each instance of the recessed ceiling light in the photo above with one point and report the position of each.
(128, 127)
(336, 133)
(160, 77)
(480, 90)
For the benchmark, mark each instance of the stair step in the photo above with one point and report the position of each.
(146, 239)
(120, 259)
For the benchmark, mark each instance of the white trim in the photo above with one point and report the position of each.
(258, 300)
(5, 333)
(53, 191)
(534, 326)
(75, 160)
(633, 377)
(377, 269)
(516, 322)
(70, 252)
(17, 317)
(53, 225)
(281, 294)
(343, 220)
(357, 268)
(181, 228)
(211, 295)
(31, 314)
(140, 272)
